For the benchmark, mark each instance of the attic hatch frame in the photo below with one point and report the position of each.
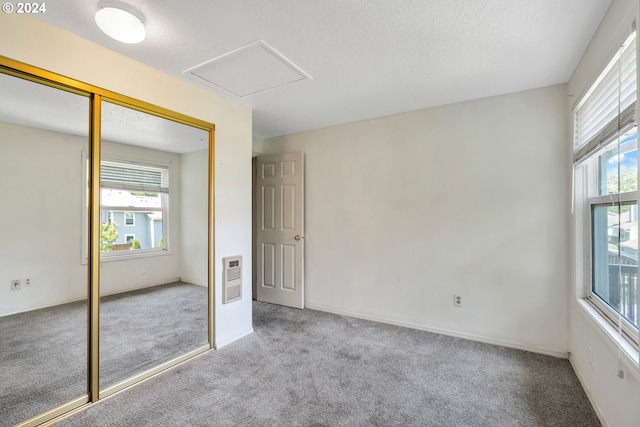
(95, 96)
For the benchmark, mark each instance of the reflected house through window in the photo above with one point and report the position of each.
(134, 202)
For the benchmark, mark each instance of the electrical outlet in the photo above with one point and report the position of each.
(457, 300)
(16, 284)
(27, 281)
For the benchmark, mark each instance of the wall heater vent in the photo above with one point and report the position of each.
(232, 279)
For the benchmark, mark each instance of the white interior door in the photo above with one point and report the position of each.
(280, 229)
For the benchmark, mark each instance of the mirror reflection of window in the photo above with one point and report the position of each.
(134, 200)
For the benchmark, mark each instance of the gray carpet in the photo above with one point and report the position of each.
(43, 353)
(308, 368)
(140, 329)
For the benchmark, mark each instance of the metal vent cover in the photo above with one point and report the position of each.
(231, 279)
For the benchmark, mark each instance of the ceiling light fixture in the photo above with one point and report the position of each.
(120, 21)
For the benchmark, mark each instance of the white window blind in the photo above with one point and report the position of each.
(609, 106)
(134, 177)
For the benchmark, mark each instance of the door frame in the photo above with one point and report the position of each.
(255, 217)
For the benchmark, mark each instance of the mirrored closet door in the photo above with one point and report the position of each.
(154, 243)
(43, 276)
(106, 225)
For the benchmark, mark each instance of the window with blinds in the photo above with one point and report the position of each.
(606, 151)
(134, 198)
(134, 177)
(609, 106)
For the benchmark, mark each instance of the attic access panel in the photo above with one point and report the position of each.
(248, 70)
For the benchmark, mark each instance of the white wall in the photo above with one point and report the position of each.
(40, 224)
(37, 43)
(256, 146)
(593, 354)
(194, 209)
(403, 212)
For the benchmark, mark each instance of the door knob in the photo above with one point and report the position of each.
(299, 237)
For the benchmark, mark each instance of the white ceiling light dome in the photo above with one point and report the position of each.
(120, 21)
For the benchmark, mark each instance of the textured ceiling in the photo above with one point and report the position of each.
(368, 58)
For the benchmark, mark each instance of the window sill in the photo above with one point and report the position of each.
(613, 338)
(126, 255)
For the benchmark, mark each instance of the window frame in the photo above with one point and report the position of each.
(615, 319)
(165, 204)
(167, 200)
(133, 218)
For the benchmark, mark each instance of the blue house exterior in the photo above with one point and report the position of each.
(142, 226)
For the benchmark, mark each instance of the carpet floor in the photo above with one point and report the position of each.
(43, 353)
(309, 368)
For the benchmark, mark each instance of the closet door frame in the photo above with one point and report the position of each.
(96, 96)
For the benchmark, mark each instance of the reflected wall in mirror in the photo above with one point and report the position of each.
(153, 242)
(43, 280)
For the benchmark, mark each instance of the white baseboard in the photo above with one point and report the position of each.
(145, 286)
(84, 297)
(221, 342)
(588, 392)
(519, 346)
(194, 282)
